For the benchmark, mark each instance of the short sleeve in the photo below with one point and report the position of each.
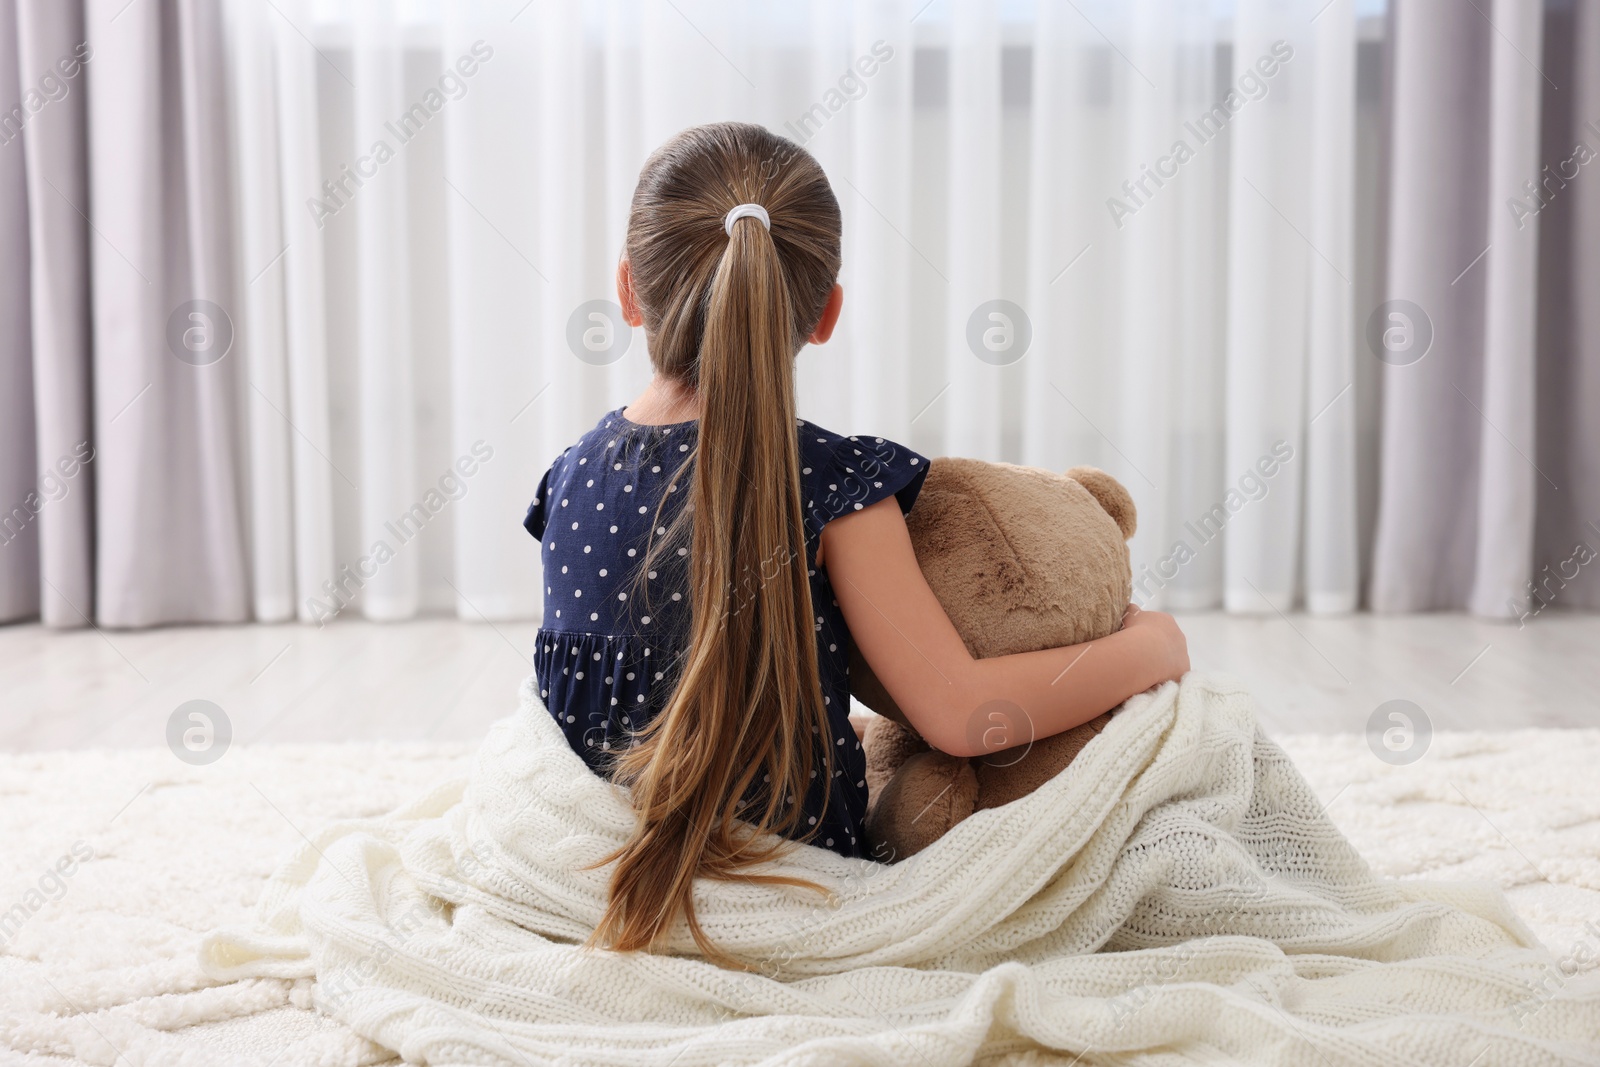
(840, 475)
(534, 523)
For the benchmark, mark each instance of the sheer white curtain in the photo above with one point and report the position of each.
(1198, 325)
(410, 213)
(976, 153)
(428, 312)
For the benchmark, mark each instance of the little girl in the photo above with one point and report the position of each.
(708, 556)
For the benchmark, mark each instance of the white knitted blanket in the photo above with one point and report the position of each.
(1177, 895)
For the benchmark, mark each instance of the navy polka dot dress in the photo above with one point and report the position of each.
(612, 640)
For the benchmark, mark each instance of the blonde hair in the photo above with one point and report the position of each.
(730, 758)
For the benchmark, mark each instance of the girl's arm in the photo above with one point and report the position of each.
(904, 633)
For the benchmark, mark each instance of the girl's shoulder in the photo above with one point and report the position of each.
(840, 474)
(574, 465)
(591, 443)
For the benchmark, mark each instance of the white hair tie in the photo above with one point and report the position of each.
(746, 211)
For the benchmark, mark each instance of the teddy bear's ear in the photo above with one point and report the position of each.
(1112, 495)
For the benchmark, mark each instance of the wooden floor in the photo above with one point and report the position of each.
(441, 679)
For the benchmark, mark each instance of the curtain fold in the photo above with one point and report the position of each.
(1270, 210)
(972, 412)
(624, 150)
(1507, 484)
(260, 261)
(1567, 516)
(505, 393)
(306, 295)
(168, 497)
(1332, 573)
(384, 327)
(876, 202)
(306, 421)
(19, 534)
(49, 260)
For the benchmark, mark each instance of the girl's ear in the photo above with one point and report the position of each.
(830, 317)
(625, 295)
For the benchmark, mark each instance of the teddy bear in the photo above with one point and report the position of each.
(1021, 559)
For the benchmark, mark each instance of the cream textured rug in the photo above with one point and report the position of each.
(1178, 821)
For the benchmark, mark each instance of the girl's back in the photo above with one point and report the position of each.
(614, 636)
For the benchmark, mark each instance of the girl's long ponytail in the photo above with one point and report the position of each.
(733, 754)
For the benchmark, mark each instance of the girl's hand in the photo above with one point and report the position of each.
(1170, 647)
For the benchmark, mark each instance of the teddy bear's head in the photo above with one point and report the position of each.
(1024, 558)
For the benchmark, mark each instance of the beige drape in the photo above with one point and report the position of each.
(1490, 468)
